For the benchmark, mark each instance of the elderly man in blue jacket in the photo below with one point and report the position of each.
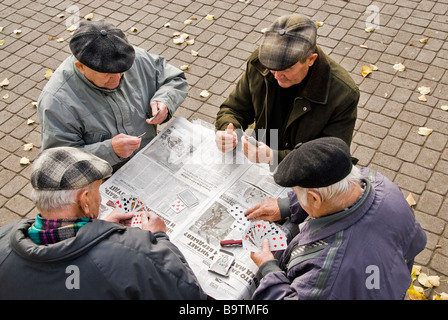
(358, 236)
(109, 96)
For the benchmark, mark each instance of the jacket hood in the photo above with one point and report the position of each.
(318, 86)
(87, 237)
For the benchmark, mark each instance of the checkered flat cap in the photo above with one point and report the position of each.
(67, 168)
(286, 41)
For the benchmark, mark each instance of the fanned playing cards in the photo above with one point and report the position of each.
(254, 232)
(132, 204)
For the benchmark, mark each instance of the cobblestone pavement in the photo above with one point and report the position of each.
(390, 112)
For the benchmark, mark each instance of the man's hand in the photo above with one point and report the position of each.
(118, 216)
(226, 140)
(124, 145)
(262, 256)
(152, 222)
(159, 112)
(267, 210)
(257, 154)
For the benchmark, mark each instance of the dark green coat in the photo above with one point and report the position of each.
(327, 106)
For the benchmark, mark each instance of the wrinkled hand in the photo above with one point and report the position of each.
(257, 154)
(152, 222)
(262, 256)
(118, 216)
(124, 145)
(226, 140)
(267, 210)
(159, 112)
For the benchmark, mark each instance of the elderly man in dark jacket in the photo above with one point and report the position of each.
(358, 235)
(66, 253)
(291, 92)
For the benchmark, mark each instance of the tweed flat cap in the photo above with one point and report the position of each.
(102, 47)
(67, 168)
(315, 164)
(287, 41)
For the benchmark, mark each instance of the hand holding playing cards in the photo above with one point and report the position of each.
(260, 153)
(159, 112)
(124, 145)
(264, 255)
(118, 216)
(268, 210)
(152, 222)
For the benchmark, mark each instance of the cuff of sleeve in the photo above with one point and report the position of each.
(283, 204)
(269, 266)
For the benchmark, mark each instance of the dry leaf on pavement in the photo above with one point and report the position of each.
(423, 131)
(399, 67)
(4, 83)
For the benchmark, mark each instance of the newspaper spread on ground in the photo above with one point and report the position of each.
(183, 163)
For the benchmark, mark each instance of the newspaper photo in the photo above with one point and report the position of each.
(183, 177)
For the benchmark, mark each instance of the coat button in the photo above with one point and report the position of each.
(282, 32)
(305, 108)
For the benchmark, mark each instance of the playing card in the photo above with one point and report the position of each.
(177, 206)
(257, 231)
(237, 212)
(136, 220)
(188, 198)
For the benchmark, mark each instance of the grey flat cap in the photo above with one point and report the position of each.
(67, 168)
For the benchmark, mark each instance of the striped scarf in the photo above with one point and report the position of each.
(50, 231)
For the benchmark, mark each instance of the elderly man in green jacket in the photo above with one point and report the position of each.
(108, 97)
(291, 92)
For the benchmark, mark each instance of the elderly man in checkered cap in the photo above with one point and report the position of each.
(67, 253)
(291, 92)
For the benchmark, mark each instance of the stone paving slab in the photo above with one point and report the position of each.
(390, 112)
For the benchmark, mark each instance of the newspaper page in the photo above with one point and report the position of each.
(182, 163)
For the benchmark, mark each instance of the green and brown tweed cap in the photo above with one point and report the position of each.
(286, 41)
(67, 168)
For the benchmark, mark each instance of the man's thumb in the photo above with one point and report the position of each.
(229, 128)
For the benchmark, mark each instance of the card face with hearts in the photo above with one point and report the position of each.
(258, 230)
(177, 206)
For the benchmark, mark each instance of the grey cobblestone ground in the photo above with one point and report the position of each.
(390, 112)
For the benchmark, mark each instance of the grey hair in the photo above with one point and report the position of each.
(46, 200)
(336, 190)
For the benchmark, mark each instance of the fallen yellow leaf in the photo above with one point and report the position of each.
(422, 98)
(416, 293)
(28, 146)
(48, 73)
(2, 42)
(424, 90)
(319, 23)
(210, 17)
(18, 31)
(24, 161)
(89, 16)
(423, 131)
(366, 70)
(190, 42)
(188, 21)
(204, 94)
(71, 28)
(410, 200)
(194, 53)
(399, 67)
(30, 121)
(6, 96)
(424, 40)
(4, 83)
(184, 67)
(444, 108)
(133, 29)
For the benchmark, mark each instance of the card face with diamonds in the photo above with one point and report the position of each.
(257, 231)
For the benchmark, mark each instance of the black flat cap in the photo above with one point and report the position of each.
(102, 47)
(315, 164)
